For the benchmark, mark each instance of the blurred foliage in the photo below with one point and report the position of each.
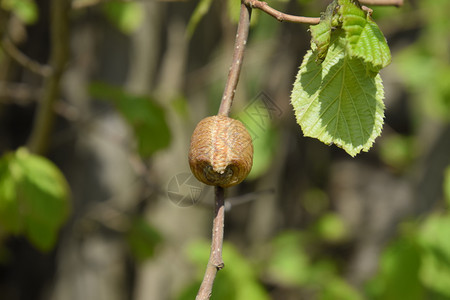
(238, 283)
(25, 10)
(257, 117)
(145, 115)
(331, 228)
(33, 198)
(425, 65)
(142, 239)
(200, 11)
(417, 263)
(397, 151)
(286, 263)
(447, 186)
(126, 16)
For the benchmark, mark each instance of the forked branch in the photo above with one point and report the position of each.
(215, 262)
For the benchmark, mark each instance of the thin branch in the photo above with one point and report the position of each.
(282, 17)
(382, 2)
(8, 46)
(215, 262)
(45, 115)
(238, 56)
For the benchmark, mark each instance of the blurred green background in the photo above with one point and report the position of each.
(110, 211)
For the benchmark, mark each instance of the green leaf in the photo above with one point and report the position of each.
(33, 197)
(25, 10)
(338, 101)
(146, 117)
(200, 10)
(142, 239)
(126, 16)
(364, 38)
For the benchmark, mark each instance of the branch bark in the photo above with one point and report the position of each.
(238, 56)
(215, 262)
(279, 15)
(44, 119)
(282, 17)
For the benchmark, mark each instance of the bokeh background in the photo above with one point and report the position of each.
(310, 222)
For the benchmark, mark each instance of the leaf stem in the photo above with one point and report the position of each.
(44, 119)
(215, 262)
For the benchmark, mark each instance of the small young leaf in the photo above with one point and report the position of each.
(364, 38)
(338, 101)
(321, 33)
(33, 197)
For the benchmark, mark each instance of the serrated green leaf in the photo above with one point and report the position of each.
(34, 197)
(146, 117)
(339, 101)
(364, 38)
